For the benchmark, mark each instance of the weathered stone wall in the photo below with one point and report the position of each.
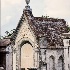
(14, 59)
(9, 58)
(67, 54)
(56, 54)
(24, 34)
(46, 51)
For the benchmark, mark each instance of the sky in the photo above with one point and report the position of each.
(11, 11)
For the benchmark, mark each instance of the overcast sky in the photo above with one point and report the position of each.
(11, 11)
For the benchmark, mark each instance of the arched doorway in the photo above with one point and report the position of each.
(51, 63)
(27, 60)
(60, 63)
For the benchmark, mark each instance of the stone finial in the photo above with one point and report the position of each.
(27, 7)
(27, 1)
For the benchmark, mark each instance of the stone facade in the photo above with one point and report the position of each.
(67, 50)
(41, 36)
(9, 58)
(37, 44)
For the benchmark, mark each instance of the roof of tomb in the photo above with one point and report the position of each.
(51, 28)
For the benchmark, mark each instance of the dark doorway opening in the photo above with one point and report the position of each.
(3, 61)
(22, 68)
(31, 68)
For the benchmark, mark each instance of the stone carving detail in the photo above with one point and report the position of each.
(27, 1)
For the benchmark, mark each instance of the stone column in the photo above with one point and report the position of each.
(18, 58)
(66, 58)
(36, 57)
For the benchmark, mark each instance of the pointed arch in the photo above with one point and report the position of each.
(27, 56)
(26, 40)
(51, 62)
(61, 63)
(24, 46)
(27, 53)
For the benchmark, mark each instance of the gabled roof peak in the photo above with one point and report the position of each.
(27, 7)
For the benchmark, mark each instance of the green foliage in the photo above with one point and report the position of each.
(8, 34)
(68, 28)
(1, 37)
